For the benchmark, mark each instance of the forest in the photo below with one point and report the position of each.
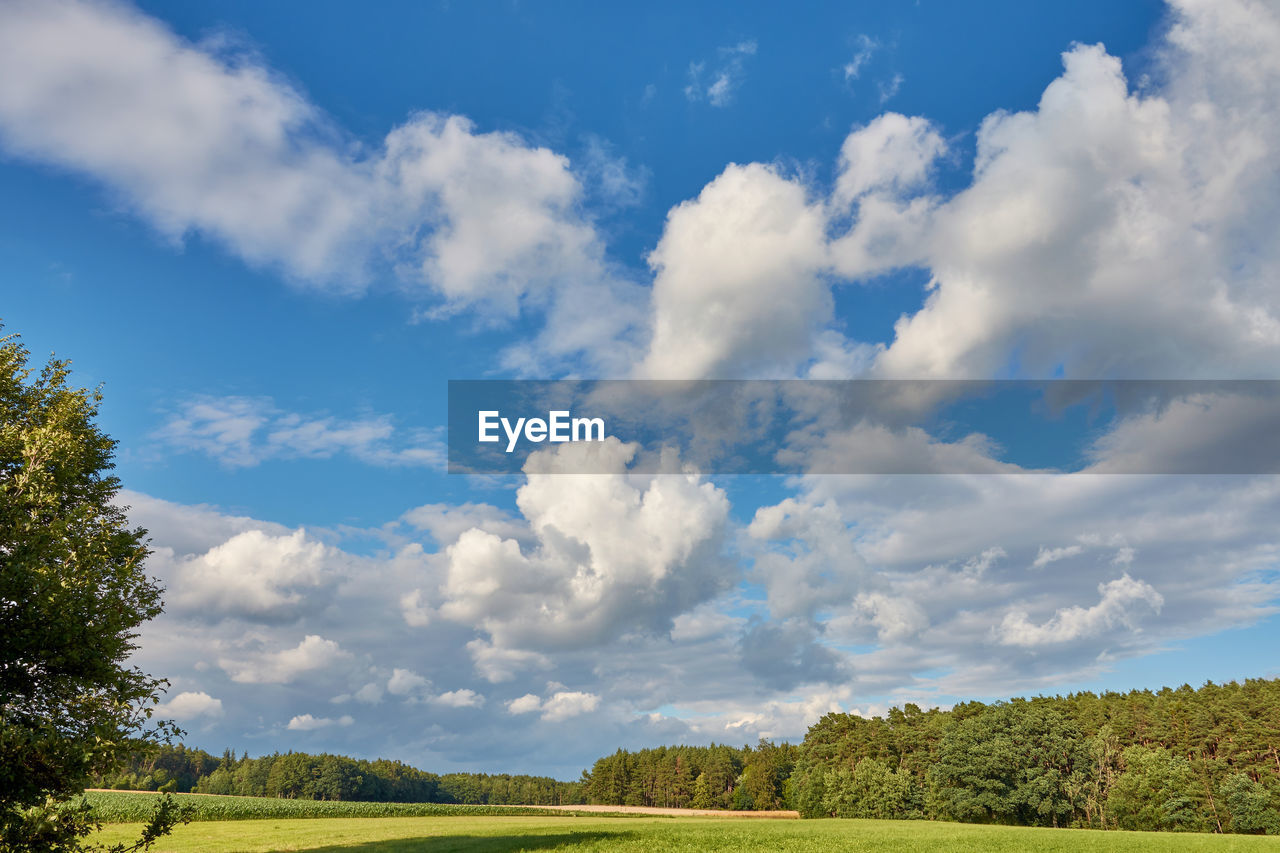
(1184, 759)
(697, 777)
(299, 775)
(1177, 759)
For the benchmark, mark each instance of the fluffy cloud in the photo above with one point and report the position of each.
(190, 139)
(876, 589)
(771, 718)
(784, 654)
(742, 274)
(370, 694)
(613, 554)
(404, 682)
(253, 575)
(1110, 232)
(445, 522)
(893, 152)
(737, 288)
(356, 650)
(896, 619)
(190, 530)
(812, 559)
(1120, 599)
(564, 704)
(949, 571)
(1229, 429)
(281, 667)
(414, 608)
(560, 705)
(526, 704)
(497, 664)
(189, 706)
(198, 139)
(309, 723)
(464, 698)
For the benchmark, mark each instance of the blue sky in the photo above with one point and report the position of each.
(274, 233)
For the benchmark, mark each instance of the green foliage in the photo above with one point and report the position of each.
(871, 790)
(1158, 790)
(72, 595)
(1021, 762)
(701, 777)
(506, 789)
(1173, 760)
(1252, 806)
(807, 787)
(702, 793)
(299, 775)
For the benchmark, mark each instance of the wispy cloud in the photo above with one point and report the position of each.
(716, 82)
(246, 431)
(864, 47)
(889, 88)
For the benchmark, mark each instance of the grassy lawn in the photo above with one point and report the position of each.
(651, 835)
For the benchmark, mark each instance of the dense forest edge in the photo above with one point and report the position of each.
(1184, 759)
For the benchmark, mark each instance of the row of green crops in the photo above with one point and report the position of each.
(121, 807)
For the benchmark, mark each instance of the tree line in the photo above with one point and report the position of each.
(1176, 759)
(1184, 759)
(300, 775)
(698, 777)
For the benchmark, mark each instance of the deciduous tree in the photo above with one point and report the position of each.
(73, 593)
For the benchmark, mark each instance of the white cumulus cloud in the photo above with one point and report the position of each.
(309, 723)
(189, 706)
(282, 667)
(1122, 601)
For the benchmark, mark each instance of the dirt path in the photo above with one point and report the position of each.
(654, 810)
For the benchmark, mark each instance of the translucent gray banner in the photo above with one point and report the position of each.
(864, 427)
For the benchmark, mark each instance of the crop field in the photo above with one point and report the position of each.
(498, 832)
(129, 807)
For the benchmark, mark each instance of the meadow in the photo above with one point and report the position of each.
(343, 828)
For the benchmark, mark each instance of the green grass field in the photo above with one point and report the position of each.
(653, 835)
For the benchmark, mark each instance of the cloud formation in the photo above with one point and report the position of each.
(201, 139)
(189, 706)
(560, 705)
(1115, 229)
(613, 554)
(241, 432)
(737, 288)
(283, 666)
(1110, 232)
(1117, 233)
(309, 723)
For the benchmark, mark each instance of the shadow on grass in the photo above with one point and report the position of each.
(475, 843)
